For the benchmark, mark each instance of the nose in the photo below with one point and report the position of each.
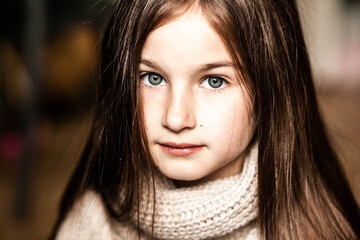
(179, 113)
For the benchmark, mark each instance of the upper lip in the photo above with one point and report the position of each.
(180, 145)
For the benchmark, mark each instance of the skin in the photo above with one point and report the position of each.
(184, 107)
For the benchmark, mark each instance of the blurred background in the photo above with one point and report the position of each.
(48, 61)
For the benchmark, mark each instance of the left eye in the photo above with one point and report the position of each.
(213, 82)
(153, 79)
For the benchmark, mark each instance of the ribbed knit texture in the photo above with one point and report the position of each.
(222, 209)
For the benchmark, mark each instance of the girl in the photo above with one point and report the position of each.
(206, 126)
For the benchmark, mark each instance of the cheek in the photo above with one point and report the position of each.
(151, 108)
(225, 115)
(229, 122)
(153, 98)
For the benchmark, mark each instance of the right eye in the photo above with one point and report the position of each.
(153, 79)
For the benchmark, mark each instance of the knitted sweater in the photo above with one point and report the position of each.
(222, 209)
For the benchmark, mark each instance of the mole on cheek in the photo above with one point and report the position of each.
(201, 125)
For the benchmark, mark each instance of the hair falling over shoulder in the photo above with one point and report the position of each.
(302, 192)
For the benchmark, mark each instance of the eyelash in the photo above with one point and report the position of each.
(224, 83)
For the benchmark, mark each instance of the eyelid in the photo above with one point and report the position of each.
(216, 76)
(144, 73)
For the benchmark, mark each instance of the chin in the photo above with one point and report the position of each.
(185, 177)
(179, 174)
(188, 180)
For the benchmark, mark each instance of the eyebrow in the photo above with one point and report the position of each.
(150, 63)
(209, 66)
(202, 68)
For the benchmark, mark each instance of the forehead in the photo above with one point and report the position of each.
(188, 36)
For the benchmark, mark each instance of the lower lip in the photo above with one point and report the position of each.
(181, 152)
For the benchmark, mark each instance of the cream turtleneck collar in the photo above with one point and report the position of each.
(204, 211)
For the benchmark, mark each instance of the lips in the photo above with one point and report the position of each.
(181, 149)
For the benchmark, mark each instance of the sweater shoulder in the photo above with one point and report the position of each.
(89, 219)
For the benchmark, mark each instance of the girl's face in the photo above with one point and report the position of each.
(196, 113)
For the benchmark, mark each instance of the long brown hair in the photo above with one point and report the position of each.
(303, 193)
